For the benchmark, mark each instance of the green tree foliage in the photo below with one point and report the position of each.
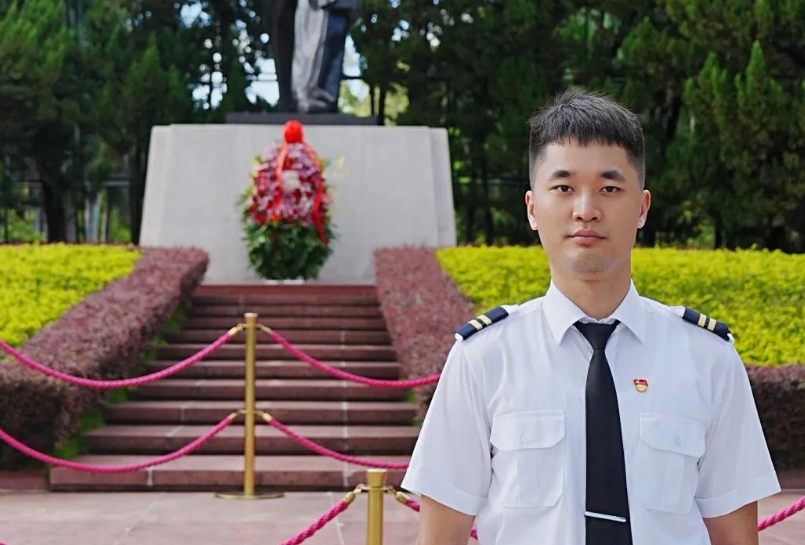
(718, 85)
(39, 68)
(749, 100)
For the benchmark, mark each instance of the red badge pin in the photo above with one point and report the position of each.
(640, 384)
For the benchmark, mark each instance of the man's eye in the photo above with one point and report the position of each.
(612, 189)
(562, 188)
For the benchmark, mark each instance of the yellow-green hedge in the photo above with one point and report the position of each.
(759, 294)
(40, 282)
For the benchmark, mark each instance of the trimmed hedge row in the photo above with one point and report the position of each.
(780, 397)
(40, 281)
(103, 337)
(422, 309)
(759, 294)
(422, 306)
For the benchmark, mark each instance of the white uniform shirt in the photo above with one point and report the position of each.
(504, 437)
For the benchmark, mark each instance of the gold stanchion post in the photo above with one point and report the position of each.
(249, 413)
(376, 490)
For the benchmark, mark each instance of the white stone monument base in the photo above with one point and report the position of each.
(391, 186)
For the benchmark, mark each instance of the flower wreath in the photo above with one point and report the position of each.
(286, 218)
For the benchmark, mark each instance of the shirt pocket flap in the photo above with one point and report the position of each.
(528, 430)
(673, 433)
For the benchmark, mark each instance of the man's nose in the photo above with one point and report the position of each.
(586, 208)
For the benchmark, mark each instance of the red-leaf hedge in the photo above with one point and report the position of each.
(103, 337)
(780, 397)
(422, 308)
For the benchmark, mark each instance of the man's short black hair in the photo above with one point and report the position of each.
(587, 117)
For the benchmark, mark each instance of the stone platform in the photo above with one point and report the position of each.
(391, 186)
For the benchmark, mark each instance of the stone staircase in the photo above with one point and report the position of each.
(339, 325)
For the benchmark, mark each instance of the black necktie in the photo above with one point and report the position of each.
(607, 503)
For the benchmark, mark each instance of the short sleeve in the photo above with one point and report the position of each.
(451, 461)
(736, 468)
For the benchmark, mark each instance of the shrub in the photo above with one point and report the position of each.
(759, 294)
(422, 309)
(102, 337)
(779, 393)
(42, 281)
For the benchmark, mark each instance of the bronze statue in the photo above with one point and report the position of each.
(307, 39)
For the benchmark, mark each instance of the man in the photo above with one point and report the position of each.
(321, 29)
(279, 16)
(307, 38)
(592, 415)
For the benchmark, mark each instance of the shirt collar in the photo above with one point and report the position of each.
(561, 313)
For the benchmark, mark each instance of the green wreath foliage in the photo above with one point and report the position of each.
(285, 212)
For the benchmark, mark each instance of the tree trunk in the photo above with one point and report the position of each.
(718, 228)
(489, 227)
(107, 226)
(55, 213)
(649, 237)
(469, 211)
(137, 193)
(381, 105)
(776, 238)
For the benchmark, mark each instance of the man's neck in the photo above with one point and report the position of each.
(597, 298)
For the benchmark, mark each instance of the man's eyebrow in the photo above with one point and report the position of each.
(560, 173)
(613, 174)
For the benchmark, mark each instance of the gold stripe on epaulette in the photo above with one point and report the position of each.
(485, 319)
(702, 320)
(712, 325)
(476, 324)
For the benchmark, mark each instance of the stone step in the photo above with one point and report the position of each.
(288, 412)
(285, 298)
(265, 289)
(266, 390)
(223, 323)
(214, 473)
(277, 311)
(295, 336)
(268, 350)
(162, 439)
(386, 370)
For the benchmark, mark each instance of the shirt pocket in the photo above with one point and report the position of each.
(667, 461)
(530, 458)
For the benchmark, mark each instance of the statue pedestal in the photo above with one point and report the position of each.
(391, 186)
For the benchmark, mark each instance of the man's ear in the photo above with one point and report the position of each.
(645, 204)
(529, 205)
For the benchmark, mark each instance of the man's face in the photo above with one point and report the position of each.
(587, 204)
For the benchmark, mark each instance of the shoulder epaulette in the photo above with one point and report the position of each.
(481, 321)
(705, 322)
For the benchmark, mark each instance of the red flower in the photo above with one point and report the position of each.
(293, 132)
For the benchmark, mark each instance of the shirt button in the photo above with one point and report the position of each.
(526, 438)
(677, 440)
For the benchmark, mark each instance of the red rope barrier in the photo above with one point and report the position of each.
(110, 384)
(338, 508)
(400, 384)
(324, 451)
(782, 515)
(118, 469)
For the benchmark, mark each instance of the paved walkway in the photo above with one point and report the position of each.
(41, 518)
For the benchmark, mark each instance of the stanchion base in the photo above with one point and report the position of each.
(244, 496)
